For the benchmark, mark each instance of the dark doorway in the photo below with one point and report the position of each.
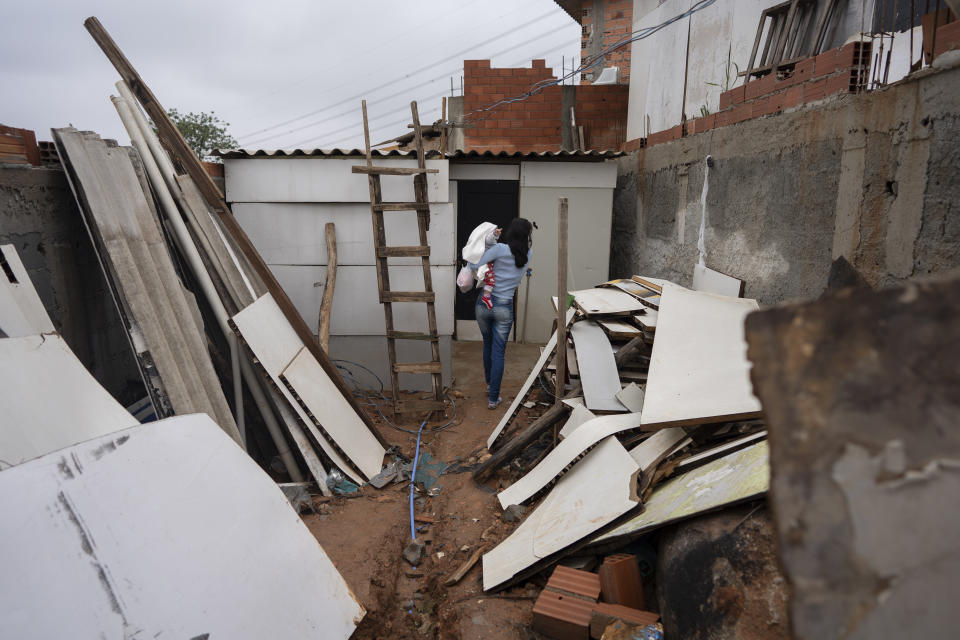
(496, 201)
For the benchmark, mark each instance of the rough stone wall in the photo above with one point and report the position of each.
(871, 177)
(39, 216)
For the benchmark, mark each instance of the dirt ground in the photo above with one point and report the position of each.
(365, 535)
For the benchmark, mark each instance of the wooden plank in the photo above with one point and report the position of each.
(392, 171)
(100, 531)
(578, 416)
(745, 474)
(710, 281)
(457, 575)
(314, 389)
(401, 252)
(698, 369)
(598, 369)
(50, 401)
(561, 358)
(534, 373)
(598, 490)
(417, 367)
(274, 344)
(566, 452)
(621, 330)
(400, 206)
(603, 301)
(326, 304)
(407, 296)
(654, 284)
(631, 397)
(411, 335)
(21, 311)
(181, 153)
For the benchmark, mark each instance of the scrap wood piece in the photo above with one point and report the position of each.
(859, 393)
(649, 298)
(699, 372)
(600, 301)
(566, 452)
(209, 517)
(618, 329)
(457, 575)
(174, 142)
(21, 311)
(715, 452)
(309, 384)
(710, 281)
(648, 320)
(737, 477)
(49, 400)
(534, 373)
(274, 344)
(161, 316)
(631, 396)
(603, 486)
(326, 304)
(598, 368)
(653, 284)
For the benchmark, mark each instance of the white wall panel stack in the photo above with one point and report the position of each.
(284, 203)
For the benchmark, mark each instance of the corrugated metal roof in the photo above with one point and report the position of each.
(358, 153)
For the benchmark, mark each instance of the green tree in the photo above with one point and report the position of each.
(204, 132)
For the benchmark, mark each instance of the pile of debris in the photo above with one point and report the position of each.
(656, 422)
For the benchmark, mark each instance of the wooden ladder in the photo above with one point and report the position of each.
(382, 252)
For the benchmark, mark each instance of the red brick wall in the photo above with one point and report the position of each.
(616, 24)
(532, 124)
(602, 110)
(841, 70)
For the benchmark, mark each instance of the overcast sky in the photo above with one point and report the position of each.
(283, 73)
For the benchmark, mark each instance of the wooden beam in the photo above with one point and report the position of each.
(182, 154)
(561, 300)
(326, 304)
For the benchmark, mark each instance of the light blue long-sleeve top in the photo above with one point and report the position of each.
(507, 274)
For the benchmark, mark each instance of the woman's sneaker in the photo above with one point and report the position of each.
(493, 405)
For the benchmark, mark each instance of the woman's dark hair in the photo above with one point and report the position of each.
(517, 237)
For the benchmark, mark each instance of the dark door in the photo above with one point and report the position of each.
(496, 201)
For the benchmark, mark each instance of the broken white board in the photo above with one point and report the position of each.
(598, 368)
(597, 490)
(720, 450)
(567, 451)
(165, 530)
(651, 451)
(739, 476)
(534, 374)
(631, 396)
(699, 371)
(21, 311)
(578, 416)
(274, 343)
(710, 281)
(313, 387)
(49, 400)
(604, 301)
(648, 320)
(648, 297)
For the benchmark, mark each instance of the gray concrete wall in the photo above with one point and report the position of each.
(871, 177)
(39, 216)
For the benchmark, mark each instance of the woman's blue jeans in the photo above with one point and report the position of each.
(495, 325)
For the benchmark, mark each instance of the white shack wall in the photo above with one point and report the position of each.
(284, 204)
(588, 188)
(660, 62)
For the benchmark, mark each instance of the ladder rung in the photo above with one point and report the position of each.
(410, 335)
(407, 296)
(392, 171)
(418, 367)
(400, 252)
(419, 406)
(399, 206)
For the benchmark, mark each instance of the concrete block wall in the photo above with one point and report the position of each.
(871, 177)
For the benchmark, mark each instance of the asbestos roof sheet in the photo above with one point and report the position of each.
(396, 153)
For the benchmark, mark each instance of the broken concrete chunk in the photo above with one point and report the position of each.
(413, 552)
